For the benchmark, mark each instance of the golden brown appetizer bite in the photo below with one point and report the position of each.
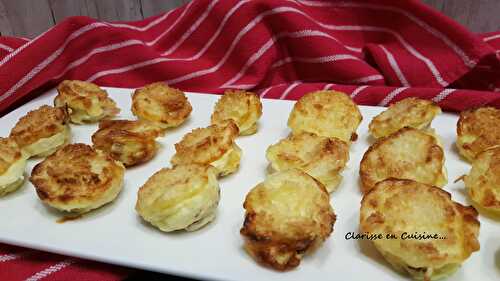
(42, 131)
(184, 197)
(243, 108)
(12, 165)
(86, 102)
(213, 145)
(321, 157)
(477, 130)
(157, 102)
(483, 181)
(130, 142)
(77, 178)
(407, 154)
(409, 112)
(326, 113)
(424, 233)
(287, 216)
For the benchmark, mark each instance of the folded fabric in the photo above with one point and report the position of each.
(209, 46)
(18, 263)
(377, 51)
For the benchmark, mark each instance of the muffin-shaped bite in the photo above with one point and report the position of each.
(184, 197)
(477, 130)
(483, 181)
(410, 112)
(213, 145)
(287, 216)
(321, 157)
(86, 102)
(12, 165)
(407, 154)
(42, 131)
(77, 178)
(130, 142)
(326, 113)
(433, 235)
(159, 103)
(243, 108)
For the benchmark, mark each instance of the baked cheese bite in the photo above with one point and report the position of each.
(407, 154)
(321, 157)
(131, 142)
(433, 235)
(477, 130)
(42, 131)
(326, 113)
(12, 165)
(184, 197)
(483, 181)
(243, 108)
(409, 112)
(287, 216)
(86, 102)
(157, 102)
(78, 178)
(213, 145)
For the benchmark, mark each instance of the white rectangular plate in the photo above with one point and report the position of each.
(115, 233)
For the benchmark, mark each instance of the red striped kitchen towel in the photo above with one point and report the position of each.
(377, 51)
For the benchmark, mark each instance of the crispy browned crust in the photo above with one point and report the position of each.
(130, 142)
(483, 181)
(158, 102)
(127, 147)
(381, 161)
(304, 149)
(477, 130)
(326, 113)
(278, 234)
(243, 108)
(85, 96)
(395, 206)
(180, 179)
(9, 153)
(146, 128)
(70, 176)
(205, 145)
(40, 123)
(321, 157)
(412, 112)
